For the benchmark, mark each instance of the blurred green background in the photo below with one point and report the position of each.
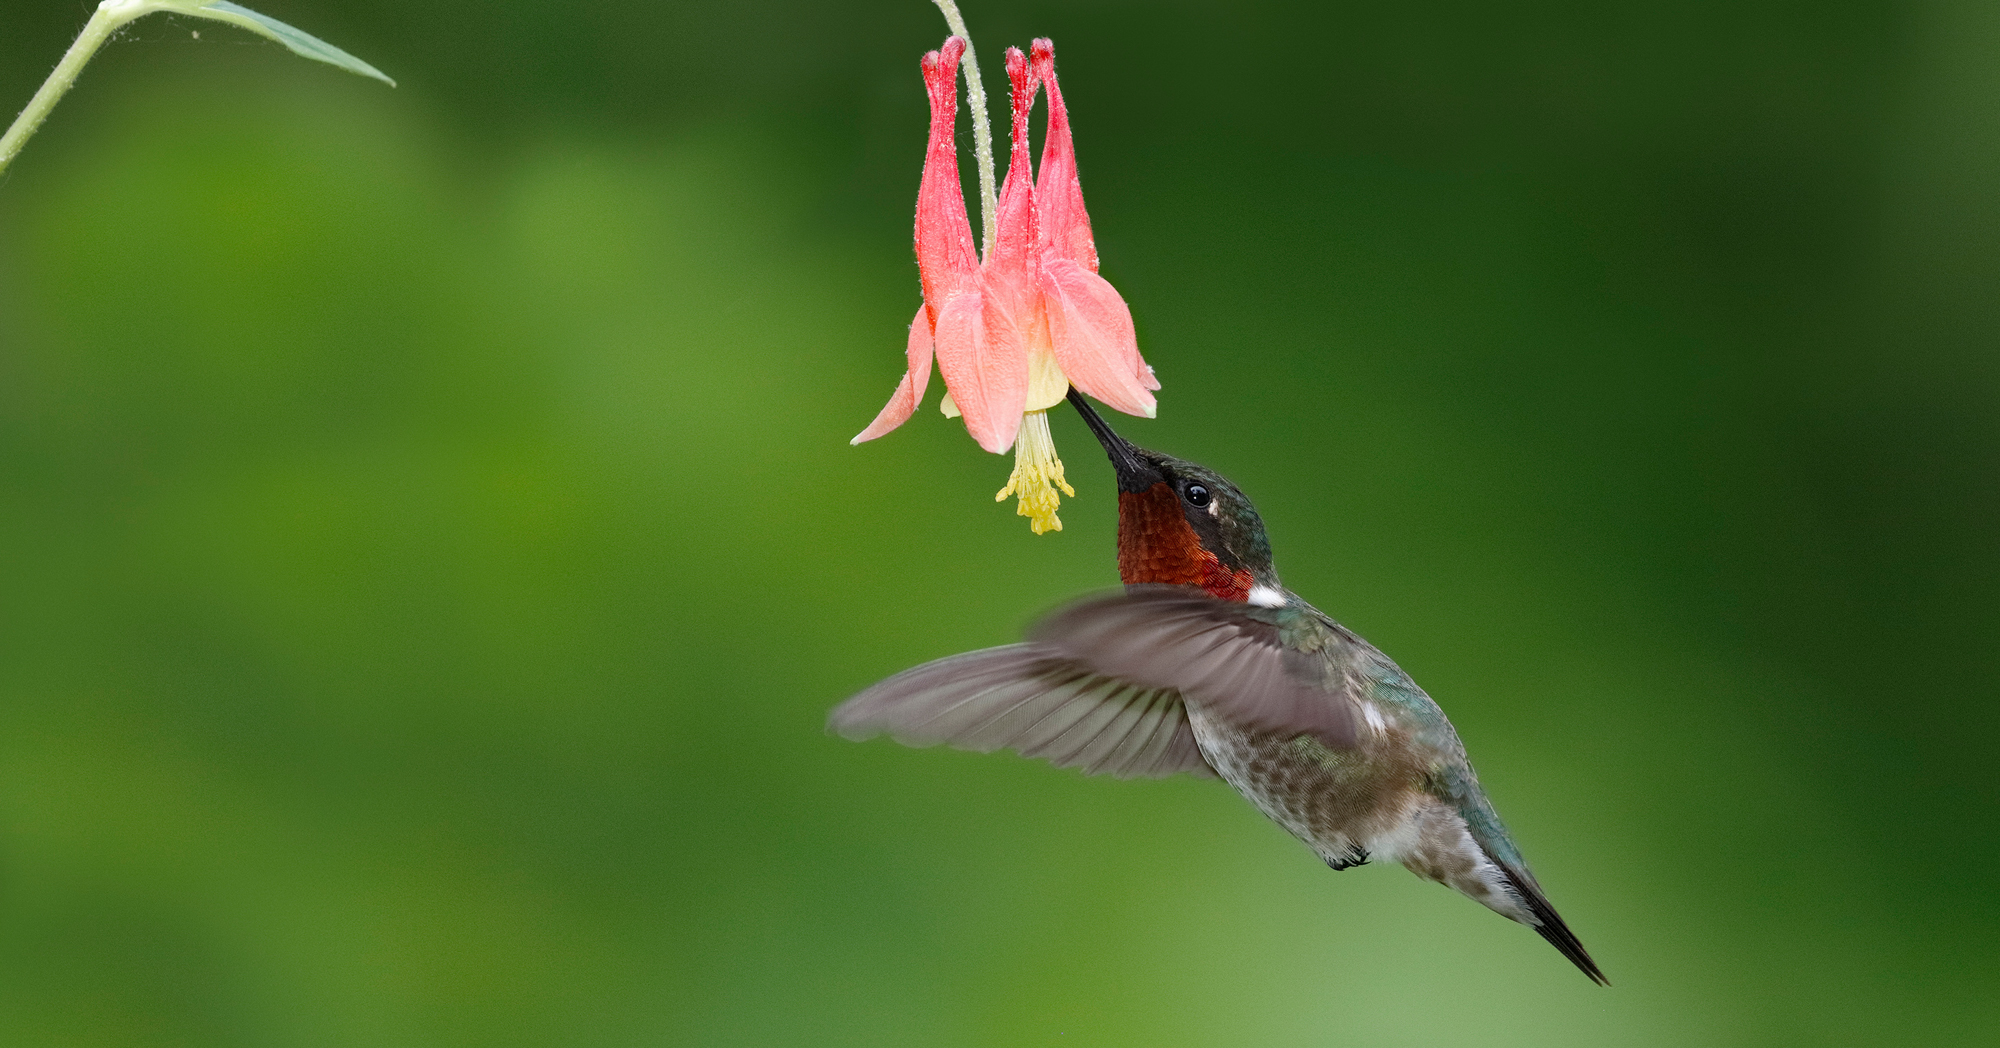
(429, 543)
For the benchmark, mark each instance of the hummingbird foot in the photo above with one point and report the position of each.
(1356, 856)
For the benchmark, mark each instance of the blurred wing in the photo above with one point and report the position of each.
(1262, 668)
(1036, 702)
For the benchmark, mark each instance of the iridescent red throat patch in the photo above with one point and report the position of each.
(1157, 545)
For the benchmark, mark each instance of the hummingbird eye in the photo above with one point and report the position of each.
(1196, 494)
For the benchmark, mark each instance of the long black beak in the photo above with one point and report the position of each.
(1135, 471)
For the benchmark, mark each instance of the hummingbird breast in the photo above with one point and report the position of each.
(1347, 805)
(1351, 806)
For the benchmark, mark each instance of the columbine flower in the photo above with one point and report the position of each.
(1011, 333)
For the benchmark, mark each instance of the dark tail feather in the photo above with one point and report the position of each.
(1553, 929)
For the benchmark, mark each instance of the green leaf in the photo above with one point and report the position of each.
(301, 43)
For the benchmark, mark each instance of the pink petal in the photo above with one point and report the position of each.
(988, 378)
(910, 391)
(1013, 295)
(1091, 328)
(947, 259)
(1014, 238)
(1065, 228)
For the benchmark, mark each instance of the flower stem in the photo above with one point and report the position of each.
(982, 129)
(110, 17)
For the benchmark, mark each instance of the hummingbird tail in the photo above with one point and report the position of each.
(1549, 924)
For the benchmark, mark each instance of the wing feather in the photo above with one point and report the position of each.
(1034, 700)
(1109, 723)
(1228, 656)
(1131, 746)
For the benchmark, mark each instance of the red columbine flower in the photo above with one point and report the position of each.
(1013, 332)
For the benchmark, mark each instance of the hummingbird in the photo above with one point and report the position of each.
(1206, 664)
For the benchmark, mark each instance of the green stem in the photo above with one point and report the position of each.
(110, 17)
(982, 131)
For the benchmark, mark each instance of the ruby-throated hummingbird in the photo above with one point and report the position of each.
(1207, 664)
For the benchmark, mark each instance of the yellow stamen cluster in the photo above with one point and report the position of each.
(1037, 475)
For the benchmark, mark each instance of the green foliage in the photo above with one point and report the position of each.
(113, 15)
(298, 41)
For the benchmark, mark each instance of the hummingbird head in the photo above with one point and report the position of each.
(1180, 523)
